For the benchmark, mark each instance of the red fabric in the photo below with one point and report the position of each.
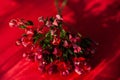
(98, 19)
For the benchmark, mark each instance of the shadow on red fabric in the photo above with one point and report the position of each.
(98, 19)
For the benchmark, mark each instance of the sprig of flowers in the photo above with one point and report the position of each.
(54, 48)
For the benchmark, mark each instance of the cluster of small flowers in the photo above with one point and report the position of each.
(55, 49)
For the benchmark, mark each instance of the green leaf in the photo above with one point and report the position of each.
(75, 55)
(48, 36)
(36, 36)
(62, 33)
(81, 52)
(44, 46)
(29, 22)
(60, 26)
(22, 26)
(70, 52)
(47, 41)
(65, 56)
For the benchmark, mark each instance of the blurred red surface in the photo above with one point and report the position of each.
(98, 19)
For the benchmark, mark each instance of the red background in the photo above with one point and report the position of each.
(98, 19)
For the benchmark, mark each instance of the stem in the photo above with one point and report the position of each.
(59, 9)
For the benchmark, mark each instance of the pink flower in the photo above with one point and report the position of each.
(52, 32)
(18, 42)
(48, 24)
(78, 70)
(13, 23)
(42, 30)
(25, 41)
(55, 51)
(38, 57)
(29, 32)
(65, 43)
(77, 49)
(59, 17)
(55, 22)
(24, 55)
(72, 39)
(77, 38)
(70, 36)
(86, 68)
(56, 41)
(41, 19)
(19, 23)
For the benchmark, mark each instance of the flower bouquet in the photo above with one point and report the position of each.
(54, 48)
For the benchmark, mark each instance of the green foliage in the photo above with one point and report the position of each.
(46, 42)
(62, 33)
(29, 22)
(44, 46)
(70, 51)
(65, 56)
(36, 36)
(22, 26)
(48, 36)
